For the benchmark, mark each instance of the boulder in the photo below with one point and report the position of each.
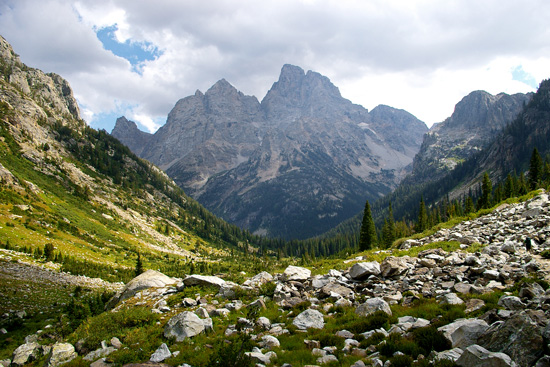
(337, 291)
(393, 266)
(372, 305)
(146, 280)
(309, 319)
(61, 353)
(203, 280)
(269, 342)
(259, 279)
(464, 332)
(161, 354)
(99, 353)
(363, 270)
(478, 356)
(450, 299)
(296, 273)
(519, 337)
(25, 353)
(511, 303)
(182, 326)
(451, 354)
(264, 323)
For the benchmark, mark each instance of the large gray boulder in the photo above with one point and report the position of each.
(464, 332)
(519, 336)
(146, 280)
(203, 280)
(161, 354)
(259, 279)
(393, 266)
(25, 353)
(296, 273)
(61, 353)
(309, 319)
(372, 305)
(182, 326)
(476, 356)
(363, 270)
(511, 303)
(337, 291)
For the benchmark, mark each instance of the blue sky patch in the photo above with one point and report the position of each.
(134, 52)
(522, 76)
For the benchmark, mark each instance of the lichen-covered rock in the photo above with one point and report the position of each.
(203, 280)
(25, 353)
(309, 319)
(296, 273)
(365, 269)
(182, 326)
(478, 356)
(146, 280)
(372, 305)
(61, 353)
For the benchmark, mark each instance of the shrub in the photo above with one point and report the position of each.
(401, 360)
(232, 354)
(373, 321)
(396, 343)
(109, 324)
(375, 339)
(429, 338)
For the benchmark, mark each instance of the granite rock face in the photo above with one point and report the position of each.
(475, 122)
(304, 147)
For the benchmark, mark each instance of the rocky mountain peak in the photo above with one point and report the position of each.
(130, 135)
(304, 146)
(48, 89)
(301, 94)
(476, 120)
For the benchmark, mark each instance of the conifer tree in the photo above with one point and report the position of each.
(509, 190)
(139, 265)
(535, 169)
(521, 185)
(469, 205)
(367, 238)
(422, 223)
(388, 230)
(486, 192)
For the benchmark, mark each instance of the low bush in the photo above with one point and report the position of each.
(429, 338)
(110, 324)
(377, 320)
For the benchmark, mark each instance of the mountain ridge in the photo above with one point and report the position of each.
(240, 157)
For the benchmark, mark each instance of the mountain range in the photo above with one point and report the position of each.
(292, 166)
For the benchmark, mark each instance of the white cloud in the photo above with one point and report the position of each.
(420, 55)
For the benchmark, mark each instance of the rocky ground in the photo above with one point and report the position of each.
(497, 252)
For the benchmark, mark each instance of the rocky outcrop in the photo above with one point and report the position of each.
(128, 133)
(304, 148)
(184, 325)
(148, 279)
(477, 119)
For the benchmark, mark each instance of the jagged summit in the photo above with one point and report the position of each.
(130, 135)
(298, 93)
(475, 122)
(293, 165)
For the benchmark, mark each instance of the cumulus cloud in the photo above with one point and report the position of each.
(420, 55)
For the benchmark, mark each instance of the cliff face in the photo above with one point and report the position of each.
(478, 118)
(299, 162)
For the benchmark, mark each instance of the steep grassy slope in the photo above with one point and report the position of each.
(79, 190)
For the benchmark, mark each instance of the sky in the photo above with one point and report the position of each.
(137, 58)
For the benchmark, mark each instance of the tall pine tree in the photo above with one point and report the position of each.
(535, 170)
(486, 192)
(367, 238)
(422, 223)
